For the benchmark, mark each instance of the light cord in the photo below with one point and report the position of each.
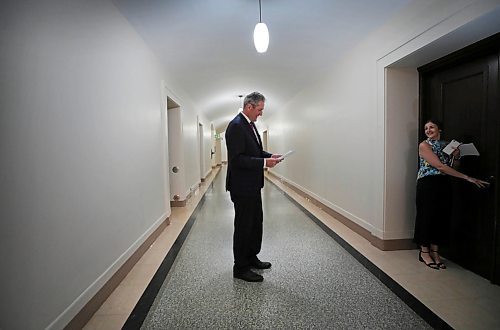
(260, 13)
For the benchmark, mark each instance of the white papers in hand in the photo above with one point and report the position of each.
(286, 154)
(468, 149)
(451, 147)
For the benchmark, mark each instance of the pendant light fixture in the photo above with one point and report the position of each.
(261, 34)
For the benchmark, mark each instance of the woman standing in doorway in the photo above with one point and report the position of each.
(433, 194)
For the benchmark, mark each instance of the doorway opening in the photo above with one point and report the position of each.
(175, 154)
(462, 91)
(264, 140)
(202, 151)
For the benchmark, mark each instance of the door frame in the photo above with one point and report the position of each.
(487, 47)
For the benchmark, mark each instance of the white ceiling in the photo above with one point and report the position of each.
(207, 47)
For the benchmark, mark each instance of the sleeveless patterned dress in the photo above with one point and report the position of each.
(425, 168)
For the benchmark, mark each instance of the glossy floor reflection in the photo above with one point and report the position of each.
(461, 298)
(313, 283)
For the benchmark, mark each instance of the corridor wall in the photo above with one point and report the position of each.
(342, 156)
(82, 142)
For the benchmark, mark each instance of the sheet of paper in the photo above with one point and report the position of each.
(451, 147)
(468, 149)
(286, 154)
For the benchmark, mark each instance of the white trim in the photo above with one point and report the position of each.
(194, 187)
(77, 305)
(469, 14)
(336, 208)
(388, 235)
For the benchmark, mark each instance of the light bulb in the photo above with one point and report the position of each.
(261, 37)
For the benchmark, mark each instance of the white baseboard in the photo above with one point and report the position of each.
(366, 225)
(74, 308)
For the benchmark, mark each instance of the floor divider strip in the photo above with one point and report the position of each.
(141, 309)
(423, 311)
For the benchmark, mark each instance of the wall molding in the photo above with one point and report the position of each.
(179, 203)
(183, 202)
(77, 315)
(385, 245)
(207, 173)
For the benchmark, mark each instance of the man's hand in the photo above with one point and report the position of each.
(276, 156)
(271, 162)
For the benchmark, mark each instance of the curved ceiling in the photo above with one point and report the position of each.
(207, 48)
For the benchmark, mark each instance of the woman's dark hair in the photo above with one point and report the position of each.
(438, 123)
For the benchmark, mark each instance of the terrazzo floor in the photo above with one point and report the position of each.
(457, 296)
(313, 284)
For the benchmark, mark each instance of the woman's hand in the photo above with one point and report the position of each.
(477, 182)
(456, 153)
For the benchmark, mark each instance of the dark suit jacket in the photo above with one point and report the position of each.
(245, 170)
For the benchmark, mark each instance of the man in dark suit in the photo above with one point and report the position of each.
(244, 181)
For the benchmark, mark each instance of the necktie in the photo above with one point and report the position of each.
(256, 132)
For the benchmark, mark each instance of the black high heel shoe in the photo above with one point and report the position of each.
(432, 265)
(440, 265)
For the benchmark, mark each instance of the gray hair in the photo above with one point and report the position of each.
(253, 98)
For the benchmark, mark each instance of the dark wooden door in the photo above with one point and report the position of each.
(463, 94)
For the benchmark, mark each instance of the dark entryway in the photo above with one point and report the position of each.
(462, 90)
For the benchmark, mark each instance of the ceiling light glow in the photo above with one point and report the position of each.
(261, 34)
(261, 37)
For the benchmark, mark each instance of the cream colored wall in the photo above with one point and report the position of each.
(84, 154)
(401, 138)
(223, 148)
(191, 149)
(208, 145)
(190, 120)
(82, 148)
(189, 161)
(218, 153)
(177, 180)
(331, 129)
(338, 126)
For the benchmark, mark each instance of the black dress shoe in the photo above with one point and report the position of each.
(248, 276)
(260, 264)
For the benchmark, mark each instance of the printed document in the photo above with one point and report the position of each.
(451, 147)
(466, 149)
(286, 154)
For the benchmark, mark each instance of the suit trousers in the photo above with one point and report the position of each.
(248, 222)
